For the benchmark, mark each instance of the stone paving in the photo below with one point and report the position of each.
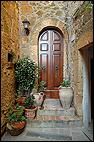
(52, 128)
(51, 134)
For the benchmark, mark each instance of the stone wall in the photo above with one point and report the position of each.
(83, 32)
(40, 15)
(9, 44)
(74, 19)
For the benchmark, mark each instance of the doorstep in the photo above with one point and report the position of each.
(55, 121)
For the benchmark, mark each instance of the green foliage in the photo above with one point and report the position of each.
(25, 74)
(16, 114)
(29, 101)
(20, 110)
(41, 86)
(12, 117)
(65, 83)
(88, 7)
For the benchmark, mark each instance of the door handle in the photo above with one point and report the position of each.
(56, 67)
(56, 72)
(43, 67)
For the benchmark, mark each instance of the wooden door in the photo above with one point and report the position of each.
(51, 61)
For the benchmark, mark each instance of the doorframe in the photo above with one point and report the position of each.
(43, 30)
(86, 104)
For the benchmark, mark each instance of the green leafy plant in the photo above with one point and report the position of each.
(41, 86)
(29, 102)
(25, 74)
(16, 114)
(65, 83)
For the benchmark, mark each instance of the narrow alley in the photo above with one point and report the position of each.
(47, 71)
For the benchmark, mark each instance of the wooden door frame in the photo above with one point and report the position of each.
(50, 28)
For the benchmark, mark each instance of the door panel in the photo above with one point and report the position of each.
(51, 61)
(56, 70)
(56, 47)
(55, 36)
(44, 67)
(44, 37)
(44, 47)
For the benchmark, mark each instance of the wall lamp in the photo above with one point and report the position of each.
(26, 24)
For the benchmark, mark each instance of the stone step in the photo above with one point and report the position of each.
(56, 111)
(51, 102)
(50, 134)
(41, 134)
(54, 122)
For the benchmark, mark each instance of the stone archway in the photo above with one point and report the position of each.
(34, 35)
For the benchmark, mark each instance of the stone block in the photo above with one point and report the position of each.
(26, 9)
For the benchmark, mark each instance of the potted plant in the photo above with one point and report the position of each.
(41, 86)
(30, 107)
(25, 75)
(65, 94)
(16, 120)
(20, 99)
(39, 94)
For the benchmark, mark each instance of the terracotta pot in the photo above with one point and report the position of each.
(18, 125)
(21, 100)
(66, 96)
(16, 128)
(31, 113)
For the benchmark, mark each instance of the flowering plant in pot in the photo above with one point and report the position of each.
(16, 120)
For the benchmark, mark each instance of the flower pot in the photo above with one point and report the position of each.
(66, 96)
(16, 128)
(31, 113)
(18, 125)
(21, 100)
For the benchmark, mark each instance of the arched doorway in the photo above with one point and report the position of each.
(51, 60)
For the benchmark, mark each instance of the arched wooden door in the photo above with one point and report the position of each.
(51, 61)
